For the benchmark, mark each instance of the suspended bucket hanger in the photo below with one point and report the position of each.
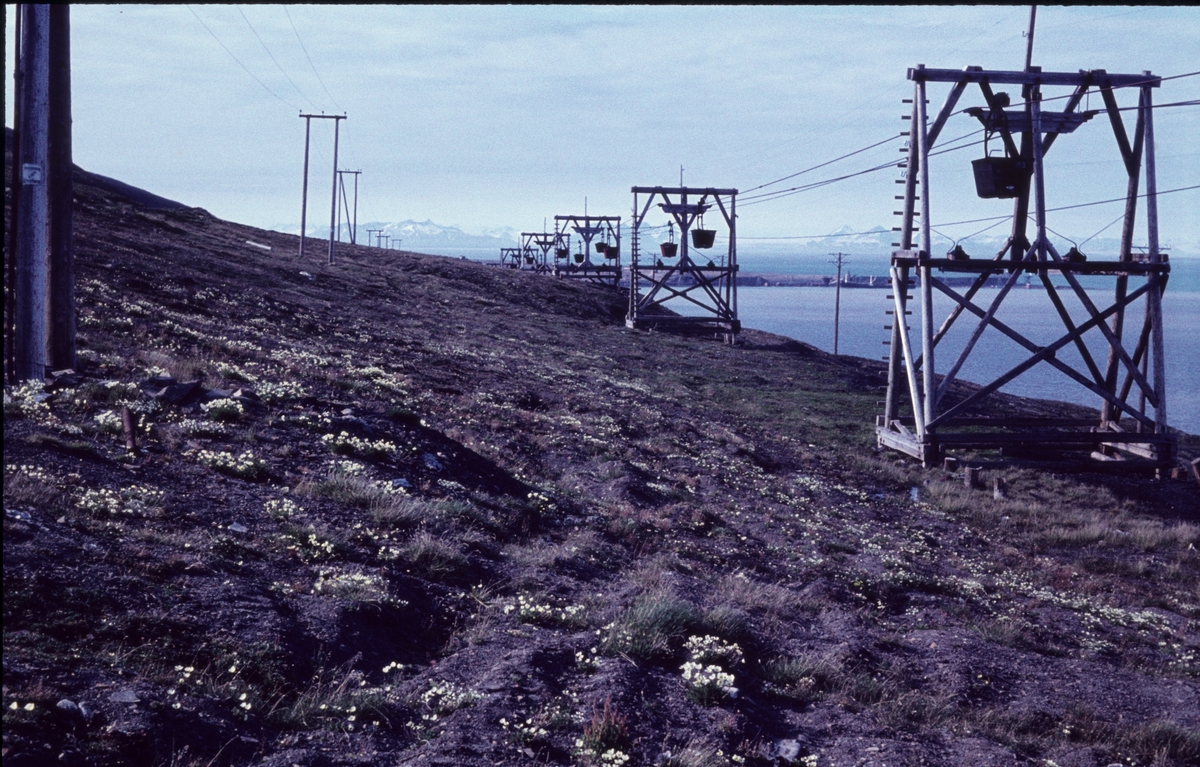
(703, 238)
(669, 248)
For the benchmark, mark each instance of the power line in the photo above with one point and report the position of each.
(1072, 207)
(996, 219)
(239, 61)
(1115, 87)
(781, 193)
(272, 57)
(829, 162)
(815, 236)
(310, 61)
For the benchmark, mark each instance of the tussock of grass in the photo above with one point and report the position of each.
(435, 558)
(653, 628)
(804, 678)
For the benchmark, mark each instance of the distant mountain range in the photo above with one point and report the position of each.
(876, 243)
(419, 236)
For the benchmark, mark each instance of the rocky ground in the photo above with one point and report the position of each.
(411, 510)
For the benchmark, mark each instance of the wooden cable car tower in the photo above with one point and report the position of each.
(607, 271)
(510, 258)
(1130, 384)
(535, 251)
(675, 273)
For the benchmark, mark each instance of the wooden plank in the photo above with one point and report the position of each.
(1130, 268)
(1114, 342)
(1118, 126)
(906, 346)
(1043, 354)
(682, 190)
(1045, 438)
(927, 369)
(984, 321)
(1154, 303)
(1065, 316)
(947, 109)
(1001, 77)
(895, 441)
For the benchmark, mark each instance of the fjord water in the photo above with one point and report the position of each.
(806, 314)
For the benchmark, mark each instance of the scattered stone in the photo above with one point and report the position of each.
(19, 516)
(246, 394)
(64, 379)
(180, 394)
(431, 462)
(401, 482)
(785, 750)
(213, 394)
(124, 696)
(70, 708)
(238, 527)
(159, 382)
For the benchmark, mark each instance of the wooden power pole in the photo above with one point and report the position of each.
(304, 193)
(837, 299)
(31, 209)
(60, 193)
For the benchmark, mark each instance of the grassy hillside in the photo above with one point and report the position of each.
(413, 510)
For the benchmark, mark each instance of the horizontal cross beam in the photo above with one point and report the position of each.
(998, 77)
(681, 190)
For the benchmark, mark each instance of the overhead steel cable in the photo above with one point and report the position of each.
(978, 220)
(239, 61)
(1158, 193)
(780, 193)
(309, 58)
(828, 162)
(272, 57)
(1017, 104)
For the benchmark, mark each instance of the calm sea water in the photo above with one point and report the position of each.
(806, 314)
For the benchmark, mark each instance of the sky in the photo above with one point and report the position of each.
(486, 117)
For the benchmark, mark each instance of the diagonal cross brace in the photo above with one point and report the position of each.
(1045, 353)
(1113, 341)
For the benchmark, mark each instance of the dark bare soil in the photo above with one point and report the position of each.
(477, 521)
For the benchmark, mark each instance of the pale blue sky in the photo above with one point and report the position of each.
(493, 116)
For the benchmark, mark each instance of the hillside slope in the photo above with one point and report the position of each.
(413, 510)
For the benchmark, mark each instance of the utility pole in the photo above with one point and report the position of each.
(369, 233)
(837, 299)
(32, 203)
(353, 227)
(59, 192)
(333, 196)
(1029, 41)
(304, 194)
